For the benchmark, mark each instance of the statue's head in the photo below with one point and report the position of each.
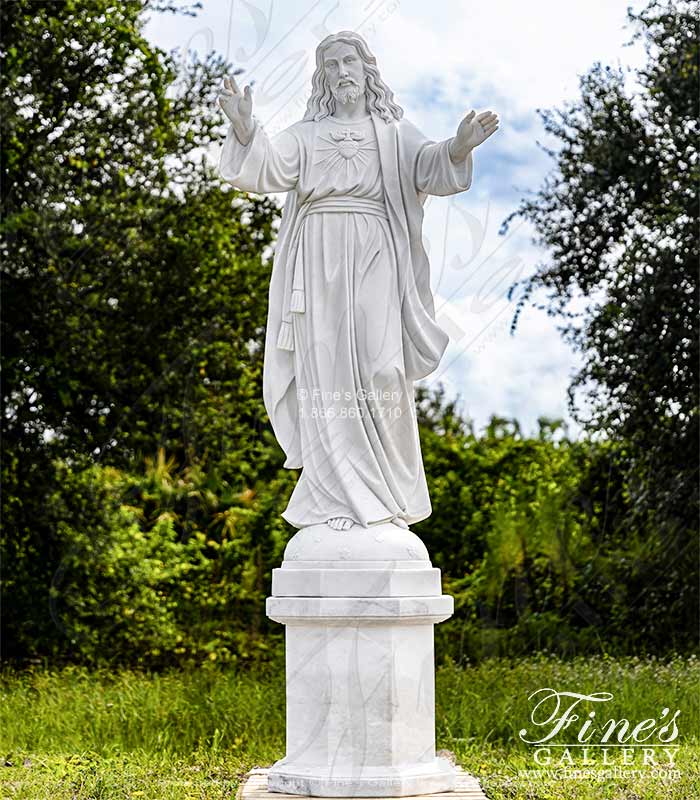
(346, 69)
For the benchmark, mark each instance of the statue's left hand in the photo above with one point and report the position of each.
(472, 131)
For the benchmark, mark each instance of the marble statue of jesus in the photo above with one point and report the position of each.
(351, 321)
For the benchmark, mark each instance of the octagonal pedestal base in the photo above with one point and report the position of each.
(359, 610)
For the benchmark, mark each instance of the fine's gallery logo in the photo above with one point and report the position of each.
(570, 727)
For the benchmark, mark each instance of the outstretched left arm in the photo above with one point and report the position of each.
(445, 168)
(473, 130)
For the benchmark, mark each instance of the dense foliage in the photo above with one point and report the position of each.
(619, 219)
(171, 566)
(134, 287)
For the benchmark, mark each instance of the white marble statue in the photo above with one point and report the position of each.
(351, 321)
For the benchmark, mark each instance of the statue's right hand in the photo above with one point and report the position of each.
(238, 107)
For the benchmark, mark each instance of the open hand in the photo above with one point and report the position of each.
(238, 107)
(472, 131)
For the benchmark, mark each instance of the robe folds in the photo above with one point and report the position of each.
(351, 320)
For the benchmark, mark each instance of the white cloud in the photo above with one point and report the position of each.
(523, 376)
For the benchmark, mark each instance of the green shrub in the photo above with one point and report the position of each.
(172, 566)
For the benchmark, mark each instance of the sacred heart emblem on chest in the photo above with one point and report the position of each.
(344, 149)
(348, 142)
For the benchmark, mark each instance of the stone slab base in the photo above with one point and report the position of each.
(254, 787)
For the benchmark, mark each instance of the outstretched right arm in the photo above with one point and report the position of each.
(249, 160)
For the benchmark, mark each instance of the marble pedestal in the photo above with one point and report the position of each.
(359, 608)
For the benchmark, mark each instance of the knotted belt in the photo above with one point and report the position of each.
(327, 205)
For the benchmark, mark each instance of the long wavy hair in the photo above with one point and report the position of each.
(380, 98)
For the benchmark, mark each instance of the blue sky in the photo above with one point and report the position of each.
(442, 59)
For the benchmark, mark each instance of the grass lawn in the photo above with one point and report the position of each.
(75, 734)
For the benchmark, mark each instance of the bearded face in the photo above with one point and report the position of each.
(345, 72)
(349, 93)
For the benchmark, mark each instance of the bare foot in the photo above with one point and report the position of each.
(400, 522)
(341, 523)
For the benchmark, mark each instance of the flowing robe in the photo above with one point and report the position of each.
(351, 321)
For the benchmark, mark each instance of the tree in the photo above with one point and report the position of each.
(135, 293)
(134, 286)
(619, 220)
